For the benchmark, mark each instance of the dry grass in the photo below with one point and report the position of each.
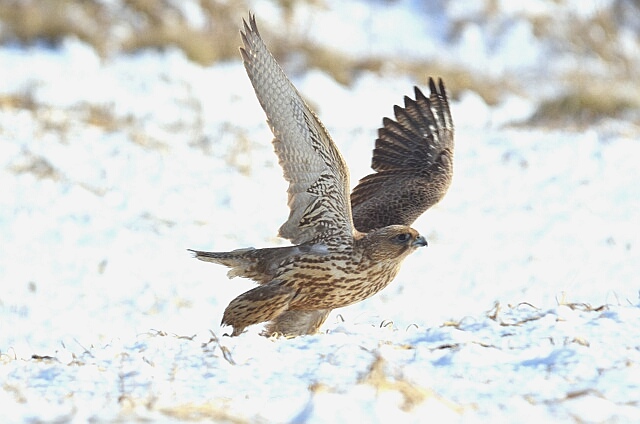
(413, 395)
(588, 99)
(580, 109)
(345, 69)
(215, 411)
(594, 36)
(134, 25)
(17, 101)
(52, 20)
(60, 119)
(586, 102)
(587, 39)
(36, 165)
(126, 27)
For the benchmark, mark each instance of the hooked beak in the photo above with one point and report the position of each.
(420, 241)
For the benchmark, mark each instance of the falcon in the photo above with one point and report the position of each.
(346, 247)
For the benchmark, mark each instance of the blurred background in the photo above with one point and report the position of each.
(578, 60)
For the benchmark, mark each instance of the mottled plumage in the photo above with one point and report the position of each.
(413, 158)
(334, 263)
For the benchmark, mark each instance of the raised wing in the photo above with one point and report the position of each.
(413, 160)
(317, 174)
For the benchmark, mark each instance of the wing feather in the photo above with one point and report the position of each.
(413, 160)
(317, 174)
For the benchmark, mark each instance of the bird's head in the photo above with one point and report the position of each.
(392, 242)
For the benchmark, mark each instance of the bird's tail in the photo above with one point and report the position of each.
(260, 265)
(230, 259)
(241, 262)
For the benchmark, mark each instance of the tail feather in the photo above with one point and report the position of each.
(261, 265)
(230, 259)
(241, 262)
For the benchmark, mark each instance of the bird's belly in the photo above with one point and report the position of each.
(337, 288)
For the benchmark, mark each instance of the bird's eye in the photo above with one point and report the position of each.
(403, 237)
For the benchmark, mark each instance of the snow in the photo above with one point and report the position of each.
(525, 303)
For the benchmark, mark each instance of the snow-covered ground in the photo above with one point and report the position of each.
(523, 307)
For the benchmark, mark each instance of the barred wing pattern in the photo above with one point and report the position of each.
(413, 160)
(317, 174)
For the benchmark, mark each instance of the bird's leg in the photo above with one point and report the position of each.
(258, 305)
(296, 323)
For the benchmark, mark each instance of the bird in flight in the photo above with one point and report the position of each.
(346, 246)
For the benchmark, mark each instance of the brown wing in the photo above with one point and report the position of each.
(317, 174)
(413, 160)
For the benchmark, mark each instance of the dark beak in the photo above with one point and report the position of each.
(420, 241)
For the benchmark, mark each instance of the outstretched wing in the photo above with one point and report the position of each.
(413, 160)
(317, 174)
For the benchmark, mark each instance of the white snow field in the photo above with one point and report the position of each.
(524, 307)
